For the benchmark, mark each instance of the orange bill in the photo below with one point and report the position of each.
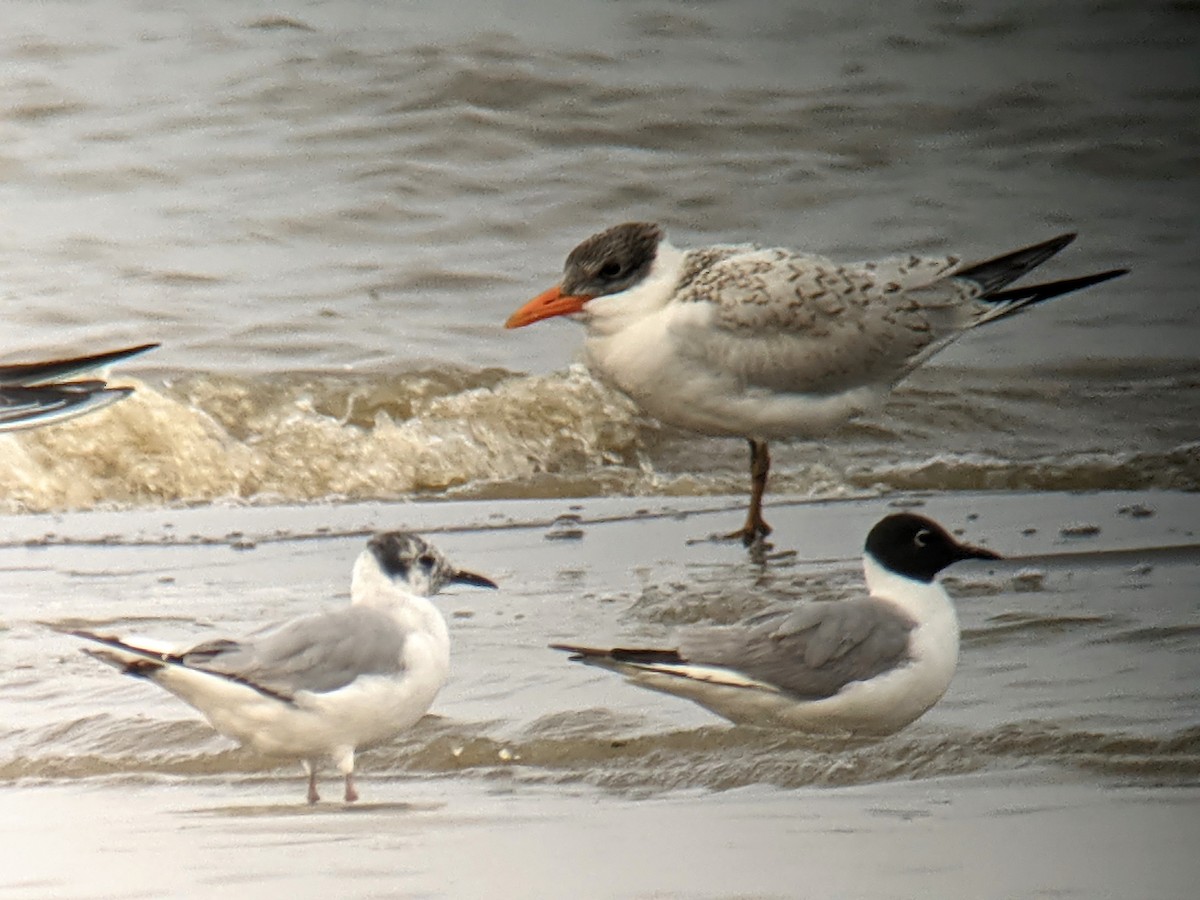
(546, 305)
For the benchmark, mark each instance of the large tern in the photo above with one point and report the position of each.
(323, 685)
(768, 343)
(866, 665)
(43, 393)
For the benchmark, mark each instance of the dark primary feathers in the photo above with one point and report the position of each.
(33, 394)
(28, 407)
(27, 374)
(993, 274)
(1016, 299)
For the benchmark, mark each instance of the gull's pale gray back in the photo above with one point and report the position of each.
(317, 653)
(811, 652)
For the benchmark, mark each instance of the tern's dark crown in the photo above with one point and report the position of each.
(612, 261)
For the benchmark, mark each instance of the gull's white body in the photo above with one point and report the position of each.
(371, 710)
(880, 705)
(867, 665)
(324, 685)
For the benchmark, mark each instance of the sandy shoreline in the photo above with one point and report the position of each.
(944, 838)
(1113, 575)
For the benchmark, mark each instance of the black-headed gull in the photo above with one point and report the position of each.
(865, 665)
(42, 393)
(323, 685)
(768, 343)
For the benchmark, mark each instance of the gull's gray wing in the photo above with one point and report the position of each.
(811, 652)
(318, 653)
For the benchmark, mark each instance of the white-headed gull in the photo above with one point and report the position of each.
(323, 685)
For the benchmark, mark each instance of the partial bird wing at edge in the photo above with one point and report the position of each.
(31, 407)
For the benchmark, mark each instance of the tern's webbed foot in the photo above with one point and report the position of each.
(749, 538)
(753, 532)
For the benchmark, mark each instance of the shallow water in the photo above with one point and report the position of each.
(1073, 707)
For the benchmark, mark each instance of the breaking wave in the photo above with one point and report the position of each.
(286, 438)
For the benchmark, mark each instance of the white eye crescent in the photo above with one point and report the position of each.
(921, 538)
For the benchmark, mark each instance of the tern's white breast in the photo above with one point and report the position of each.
(674, 379)
(674, 360)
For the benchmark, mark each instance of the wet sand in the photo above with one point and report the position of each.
(1063, 761)
(989, 837)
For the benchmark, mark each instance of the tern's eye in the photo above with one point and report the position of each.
(921, 538)
(426, 561)
(610, 269)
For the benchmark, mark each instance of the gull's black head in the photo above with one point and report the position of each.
(917, 547)
(611, 261)
(418, 565)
